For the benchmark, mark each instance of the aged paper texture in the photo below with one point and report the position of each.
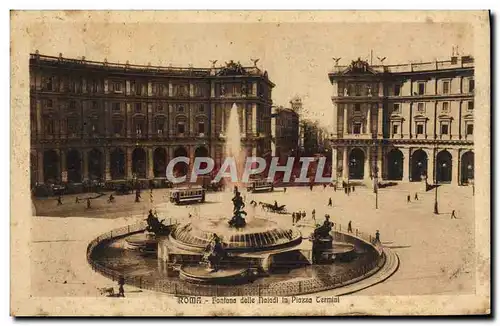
(250, 163)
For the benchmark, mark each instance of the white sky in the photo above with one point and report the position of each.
(297, 56)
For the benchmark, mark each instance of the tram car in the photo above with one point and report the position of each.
(260, 185)
(187, 195)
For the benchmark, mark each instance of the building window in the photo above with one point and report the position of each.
(470, 129)
(446, 107)
(49, 103)
(394, 129)
(420, 128)
(357, 89)
(138, 128)
(357, 128)
(116, 106)
(444, 128)
(95, 105)
(471, 85)
(446, 87)
(93, 86)
(396, 108)
(357, 107)
(397, 90)
(160, 123)
(470, 105)
(201, 108)
(201, 127)
(180, 109)
(138, 107)
(159, 108)
(49, 84)
(49, 126)
(420, 107)
(117, 127)
(117, 87)
(72, 125)
(421, 88)
(181, 128)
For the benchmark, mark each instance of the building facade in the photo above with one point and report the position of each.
(106, 121)
(404, 122)
(286, 133)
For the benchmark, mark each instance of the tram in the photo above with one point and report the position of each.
(187, 195)
(260, 185)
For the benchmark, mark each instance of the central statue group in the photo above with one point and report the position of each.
(238, 219)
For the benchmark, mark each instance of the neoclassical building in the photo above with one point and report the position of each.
(107, 121)
(404, 122)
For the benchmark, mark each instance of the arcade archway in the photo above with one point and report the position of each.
(95, 164)
(117, 164)
(74, 166)
(356, 164)
(181, 168)
(159, 162)
(467, 169)
(395, 161)
(443, 167)
(139, 163)
(418, 165)
(51, 168)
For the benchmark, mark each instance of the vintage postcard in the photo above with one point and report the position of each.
(170, 163)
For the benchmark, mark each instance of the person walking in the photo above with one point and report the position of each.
(377, 236)
(293, 218)
(284, 190)
(59, 200)
(408, 200)
(416, 196)
(349, 227)
(330, 202)
(353, 188)
(137, 195)
(88, 203)
(313, 214)
(303, 214)
(121, 290)
(335, 187)
(453, 216)
(77, 200)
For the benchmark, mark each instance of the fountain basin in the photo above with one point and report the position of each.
(229, 276)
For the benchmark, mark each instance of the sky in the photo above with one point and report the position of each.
(297, 56)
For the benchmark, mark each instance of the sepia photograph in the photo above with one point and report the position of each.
(260, 163)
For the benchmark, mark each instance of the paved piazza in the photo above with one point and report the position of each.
(436, 252)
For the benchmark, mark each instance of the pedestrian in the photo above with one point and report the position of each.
(349, 227)
(345, 190)
(137, 195)
(324, 185)
(311, 187)
(111, 199)
(313, 213)
(416, 196)
(408, 199)
(77, 200)
(121, 290)
(304, 214)
(293, 218)
(353, 188)
(330, 201)
(284, 190)
(377, 236)
(59, 200)
(335, 188)
(453, 216)
(348, 190)
(88, 203)
(190, 215)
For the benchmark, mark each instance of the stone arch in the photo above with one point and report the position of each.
(356, 162)
(139, 162)
(467, 168)
(159, 162)
(74, 166)
(117, 164)
(95, 164)
(51, 166)
(444, 162)
(395, 161)
(181, 169)
(419, 169)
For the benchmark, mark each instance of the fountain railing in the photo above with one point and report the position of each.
(286, 288)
